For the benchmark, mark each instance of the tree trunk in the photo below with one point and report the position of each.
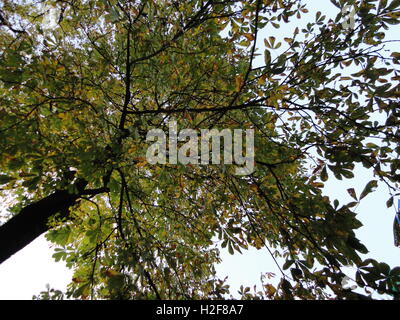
(31, 222)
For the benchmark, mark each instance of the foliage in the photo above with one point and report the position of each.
(77, 99)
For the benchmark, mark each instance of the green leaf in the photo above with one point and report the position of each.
(370, 187)
(5, 179)
(393, 5)
(60, 255)
(116, 282)
(267, 57)
(287, 264)
(324, 174)
(352, 193)
(59, 236)
(356, 244)
(336, 203)
(389, 203)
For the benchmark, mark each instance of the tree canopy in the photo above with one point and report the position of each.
(79, 93)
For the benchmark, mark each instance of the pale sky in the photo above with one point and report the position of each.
(26, 273)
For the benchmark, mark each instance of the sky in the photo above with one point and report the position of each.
(27, 272)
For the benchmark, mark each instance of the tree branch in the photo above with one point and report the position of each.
(31, 222)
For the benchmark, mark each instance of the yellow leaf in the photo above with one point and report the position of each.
(317, 184)
(141, 164)
(112, 273)
(249, 36)
(262, 79)
(63, 116)
(239, 82)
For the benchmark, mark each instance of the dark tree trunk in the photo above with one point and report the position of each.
(31, 222)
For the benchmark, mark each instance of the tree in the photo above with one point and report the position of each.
(79, 95)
